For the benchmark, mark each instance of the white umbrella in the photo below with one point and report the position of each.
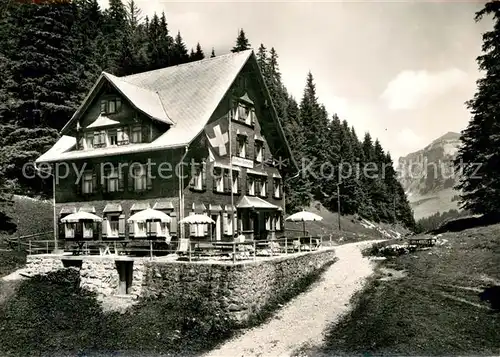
(151, 215)
(81, 216)
(197, 219)
(304, 217)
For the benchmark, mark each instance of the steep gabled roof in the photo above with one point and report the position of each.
(184, 96)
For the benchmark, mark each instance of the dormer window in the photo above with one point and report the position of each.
(245, 114)
(111, 106)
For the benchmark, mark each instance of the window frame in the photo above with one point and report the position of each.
(136, 130)
(277, 188)
(140, 179)
(112, 133)
(242, 143)
(259, 151)
(88, 183)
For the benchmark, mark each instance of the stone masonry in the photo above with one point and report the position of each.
(239, 290)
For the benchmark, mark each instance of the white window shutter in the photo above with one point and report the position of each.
(225, 223)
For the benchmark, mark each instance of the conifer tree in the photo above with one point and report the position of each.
(198, 54)
(479, 157)
(180, 53)
(242, 42)
(262, 60)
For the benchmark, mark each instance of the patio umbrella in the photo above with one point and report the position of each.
(81, 216)
(150, 215)
(197, 219)
(304, 217)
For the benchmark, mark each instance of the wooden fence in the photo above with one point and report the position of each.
(186, 249)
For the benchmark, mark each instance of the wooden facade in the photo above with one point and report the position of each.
(173, 183)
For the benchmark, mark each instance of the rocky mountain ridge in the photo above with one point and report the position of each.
(428, 176)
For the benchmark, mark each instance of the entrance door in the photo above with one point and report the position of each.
(259, 225)
(216, 228)
(125, 270)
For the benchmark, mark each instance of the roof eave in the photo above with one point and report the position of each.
(105, 154)
(273, 111)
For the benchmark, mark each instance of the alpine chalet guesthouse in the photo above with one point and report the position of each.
(169, 139)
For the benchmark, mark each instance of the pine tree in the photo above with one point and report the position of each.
(114, 29)
(180, 52)
(198, 54)
(262, 60)
(479, 157)
(134, 57)
(242, 42)
(314, 121)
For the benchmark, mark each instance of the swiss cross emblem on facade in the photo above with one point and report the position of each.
(218, 136)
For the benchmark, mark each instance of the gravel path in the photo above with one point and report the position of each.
(303, 320)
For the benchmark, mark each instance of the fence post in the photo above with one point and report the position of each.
(286, 245)
(189, 250)
(254, 250)
(310, 243)
(29, 246)
(151, 249)
(234, 253)
(270, 247)
(47, 246)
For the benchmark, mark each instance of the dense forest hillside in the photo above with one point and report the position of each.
(52, 54)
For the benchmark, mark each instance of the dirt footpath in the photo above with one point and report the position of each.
(304, 319)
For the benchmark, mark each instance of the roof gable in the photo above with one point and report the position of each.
(190, 93)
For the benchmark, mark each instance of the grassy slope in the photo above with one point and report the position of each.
(31, 216)
(426, 312)
(352, 230)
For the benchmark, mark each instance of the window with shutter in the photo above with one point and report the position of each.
(114, 225)
(218, 179)
(173, 223)
(131, 229)
(235, 187)
(225, 225)
(87, 183)
(145, 133)
(204, 175)
(69, 230)
(227, 182)
(121, 225)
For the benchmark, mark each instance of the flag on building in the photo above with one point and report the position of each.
(218, 136)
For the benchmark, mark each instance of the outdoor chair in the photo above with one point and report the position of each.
(183, 247)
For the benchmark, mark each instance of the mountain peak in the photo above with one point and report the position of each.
(451, 135)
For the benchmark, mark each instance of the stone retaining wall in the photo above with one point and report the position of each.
(237, 291)
(240, 290)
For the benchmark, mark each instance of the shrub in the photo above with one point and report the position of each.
(393, 250)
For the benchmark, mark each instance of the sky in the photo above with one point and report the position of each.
(399, 70)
